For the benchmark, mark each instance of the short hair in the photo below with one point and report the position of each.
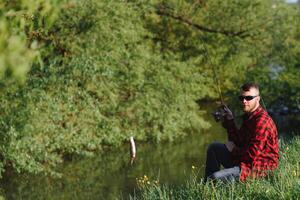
(247, 86)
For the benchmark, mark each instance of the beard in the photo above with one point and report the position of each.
(248, 108)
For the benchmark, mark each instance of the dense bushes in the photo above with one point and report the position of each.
(104, 71)
(107, 85)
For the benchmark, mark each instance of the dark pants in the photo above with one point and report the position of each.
(217, 155)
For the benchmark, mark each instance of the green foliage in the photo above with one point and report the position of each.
(278, 79)
(101, 71)
(108, 84)
(19, 48)
(231, 42)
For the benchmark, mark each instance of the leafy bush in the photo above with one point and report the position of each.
(106, 84)
(101, 71)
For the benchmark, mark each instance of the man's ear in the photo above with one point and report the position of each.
(258, 98)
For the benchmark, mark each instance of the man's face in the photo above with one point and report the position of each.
(249, 100)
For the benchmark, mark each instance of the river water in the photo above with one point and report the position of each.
(109, 175)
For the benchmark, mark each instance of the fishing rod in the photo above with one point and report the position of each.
(216, 79)
(220, 113)
(161, 10)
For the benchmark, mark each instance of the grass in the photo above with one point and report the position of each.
(284, 184)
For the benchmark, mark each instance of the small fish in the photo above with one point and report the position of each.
(132, 150)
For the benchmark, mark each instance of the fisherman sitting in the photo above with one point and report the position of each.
(251, 151)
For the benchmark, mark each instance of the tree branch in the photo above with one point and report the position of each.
(241, 33)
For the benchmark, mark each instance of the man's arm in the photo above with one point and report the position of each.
(230, 126)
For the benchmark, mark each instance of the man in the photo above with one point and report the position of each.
(251, 151)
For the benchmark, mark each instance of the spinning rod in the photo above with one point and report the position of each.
(216, 78)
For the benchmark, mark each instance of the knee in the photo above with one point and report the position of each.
(213, 147)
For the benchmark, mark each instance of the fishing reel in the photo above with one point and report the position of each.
(220, 114)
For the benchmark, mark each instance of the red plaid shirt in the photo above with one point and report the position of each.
(257, 150)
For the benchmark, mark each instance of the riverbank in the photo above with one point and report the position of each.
(285, 184)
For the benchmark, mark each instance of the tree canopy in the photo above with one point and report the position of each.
(76, 81)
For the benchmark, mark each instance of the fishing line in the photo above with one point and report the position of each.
(263, 103)
(216, 79)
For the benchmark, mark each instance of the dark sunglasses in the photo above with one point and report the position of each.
(247, 98)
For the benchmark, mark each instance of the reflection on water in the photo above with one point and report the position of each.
(109, 176)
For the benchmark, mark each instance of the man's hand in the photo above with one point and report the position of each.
(230, 145)
(228, 113)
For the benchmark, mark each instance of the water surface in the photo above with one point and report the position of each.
(109, 175)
